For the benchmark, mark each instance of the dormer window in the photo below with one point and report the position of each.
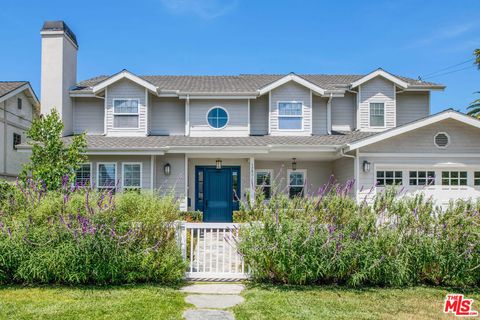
(290, 116)
(377, 115)
(125, 113)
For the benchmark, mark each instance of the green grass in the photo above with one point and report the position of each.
(284, 302)
(119, 302)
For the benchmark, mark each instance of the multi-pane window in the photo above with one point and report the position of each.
(235, 192)
(389, 178)
(217, 118)
(19, 103)
(83, 174)
(454, 178)
(125, 113)
(132, 175)
(107, 175)
(263, 180)
(17, 139)
(296, 183)
(290, 115)
(377, 114)
(421, 178)
(476, 178)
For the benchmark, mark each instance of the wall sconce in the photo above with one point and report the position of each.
(167, 169)
(294, 164)
(218, 164)
(366, 166)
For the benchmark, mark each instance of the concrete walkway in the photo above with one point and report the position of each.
(210, 299)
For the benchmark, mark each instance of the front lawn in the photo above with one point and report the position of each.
(122, 302)
(277, 302)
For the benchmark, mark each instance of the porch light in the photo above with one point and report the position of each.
(294, 164)
(366, 166)
(167, 169)
(218, 164)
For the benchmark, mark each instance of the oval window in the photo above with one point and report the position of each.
(442, 140)
(217, 117)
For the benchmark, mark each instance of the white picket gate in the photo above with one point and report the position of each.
(210, 249)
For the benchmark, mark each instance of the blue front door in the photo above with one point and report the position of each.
(217, 192)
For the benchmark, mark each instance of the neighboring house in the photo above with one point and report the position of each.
(213, 139)
(18, 106)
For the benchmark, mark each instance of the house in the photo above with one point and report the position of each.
(213, 139)
(18, 106)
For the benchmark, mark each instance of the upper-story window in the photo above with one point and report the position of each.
(217, 118)
(290, 115)
(125, 113)
(19, 103)
(377, 114)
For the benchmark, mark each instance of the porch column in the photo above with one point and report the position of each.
(153, 160)
(186, 182)
(251, 162)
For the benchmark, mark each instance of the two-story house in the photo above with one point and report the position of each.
(213, 139)
(18, 107)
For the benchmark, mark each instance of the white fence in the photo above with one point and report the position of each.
(210, 249)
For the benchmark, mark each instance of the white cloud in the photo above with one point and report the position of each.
(205, 9)
(444, 34)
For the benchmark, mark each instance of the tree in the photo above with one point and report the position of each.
(474, 107)
(51, 158)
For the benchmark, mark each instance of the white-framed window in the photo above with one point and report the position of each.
(83, 174)
(106, 175)
(476, 178)
(389, 177)
(132, 175)
(421, 178)
(377, 114)
(217, 117)
(126, 113)
(17, 139)
(454, 178)
(263, 180)
(290, 115)
(296, 182)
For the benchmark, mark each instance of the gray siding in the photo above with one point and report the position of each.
(291, 91)
(88, 115)
(167, 116)
(377, 90)
(175, 182)
(343, 169)
(319, 115)
(412, 106)
(237, 123)
(259, 115)
(344, 112)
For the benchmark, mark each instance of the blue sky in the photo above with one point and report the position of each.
(404, 37)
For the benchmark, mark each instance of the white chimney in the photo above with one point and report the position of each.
(59, 70)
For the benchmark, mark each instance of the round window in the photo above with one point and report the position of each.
(442, 140)
(217, 117)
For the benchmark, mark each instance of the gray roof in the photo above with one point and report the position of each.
(9, 86)
(245, 83)
(156, 142)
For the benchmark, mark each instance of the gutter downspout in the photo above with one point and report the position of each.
(356, 167)
(329, 114)
(187, 115)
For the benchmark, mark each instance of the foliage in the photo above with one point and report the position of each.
(477, 57)
(191, 216)
(474, 108)
(328, 238)
(51, 159)
(77, 235)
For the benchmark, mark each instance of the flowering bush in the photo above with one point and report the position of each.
(328, 238)
(77, 235)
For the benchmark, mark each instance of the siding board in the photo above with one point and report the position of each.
(167, 116)
(412, 106)
(259, 115)
(88, 115)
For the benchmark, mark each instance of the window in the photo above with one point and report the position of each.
(19, 103)
(442, 140)
(290, 115)
(377, 114)
(296, 183)
(454, 178)
(421, 178)
(389, 178)
(263, 180)
(132, 175)
(476, 178)
(17, 139)
(125, 113)
(107, 175)
(217, 118)
(83, 174)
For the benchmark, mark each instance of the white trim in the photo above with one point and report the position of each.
(302, 116)
(147, 125)
(98, 174)
(141, 175)
(126, 114)
(449, 114)
(358, 125)
(187, 116)
(219, 107)
(270, 172)
(304, 171)
(186, 182)
(311, 111)
(419, 155)
(105, 104)
(384, 115)
(269, 112)
(221, 96)
(112, 152)
(435, 140)
(288, 78)
(124, 74)
(329, 114)
(248, 111)
(379, 72)
(153, 165)
(91, 171)
(252, 180)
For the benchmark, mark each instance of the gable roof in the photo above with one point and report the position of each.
(380, 73)
(444, 115)
(9, 89)
(124, 74)
(295, 78)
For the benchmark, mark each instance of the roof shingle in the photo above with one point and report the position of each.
(9, 86)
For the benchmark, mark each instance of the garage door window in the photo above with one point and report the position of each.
(389, 178)
(454, 178)
(421, 178)
(476, 179)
